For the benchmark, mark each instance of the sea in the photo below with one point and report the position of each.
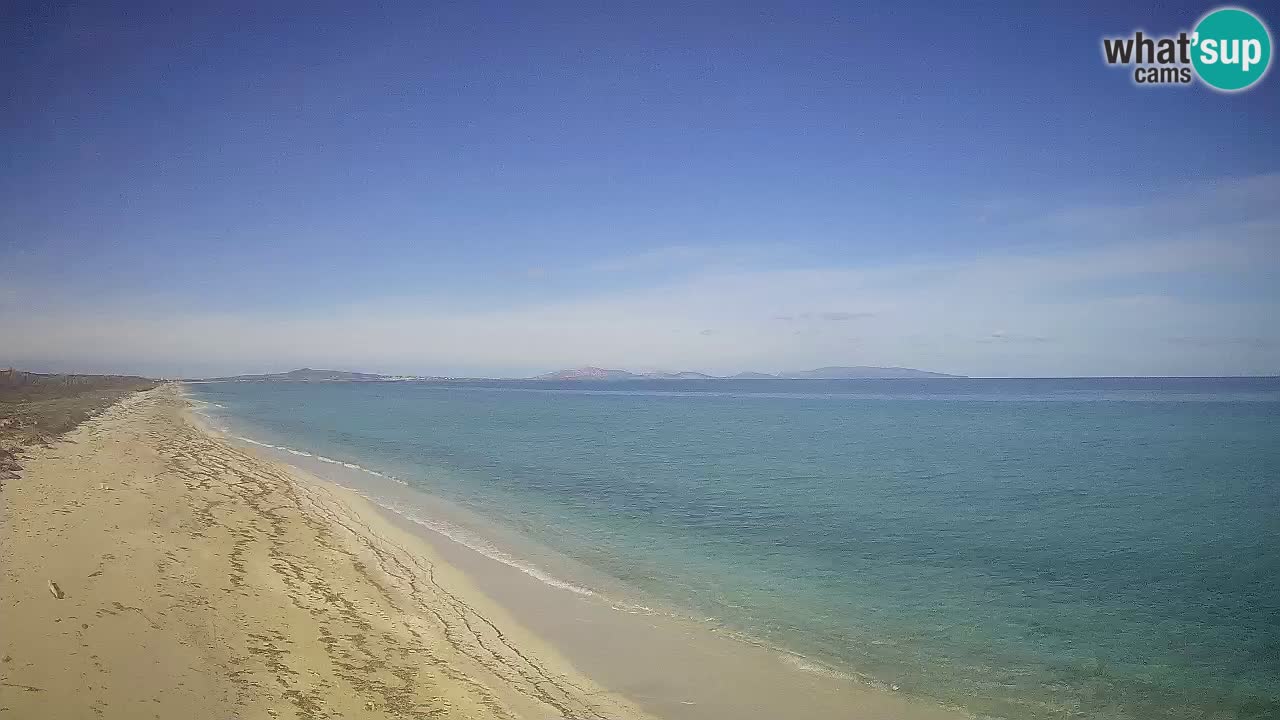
(1030, 548)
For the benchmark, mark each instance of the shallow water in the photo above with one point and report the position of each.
(1023, 548)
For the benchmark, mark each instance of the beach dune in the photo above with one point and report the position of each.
(194, 580)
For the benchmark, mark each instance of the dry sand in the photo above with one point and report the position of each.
(199, 581)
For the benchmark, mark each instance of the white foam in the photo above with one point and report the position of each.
(446, 529)
(633, 609)
(251, 441)
(487, 549)
(804, 664)
(484, 548)
(321, 458)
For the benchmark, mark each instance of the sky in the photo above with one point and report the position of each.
(504, 189)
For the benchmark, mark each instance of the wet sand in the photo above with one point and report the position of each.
(198, 581)
(206, 579)
(673, 666)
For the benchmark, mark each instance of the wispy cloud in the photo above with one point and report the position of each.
(1090, 308)
(681, 259)
(1000, 336)
(1193, 205)
(829, 316)
(657, 258)
(1253, 343)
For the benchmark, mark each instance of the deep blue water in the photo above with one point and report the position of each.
(1106, 548)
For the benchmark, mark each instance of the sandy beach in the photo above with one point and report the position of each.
(154, 568)
(198, 581)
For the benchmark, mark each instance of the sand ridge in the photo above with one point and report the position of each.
(200, 581)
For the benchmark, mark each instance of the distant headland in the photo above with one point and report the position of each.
(590, 373)
(822, 373)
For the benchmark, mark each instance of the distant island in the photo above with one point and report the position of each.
(590, 373)
(309, 375)
(822, 373)
(862, 372)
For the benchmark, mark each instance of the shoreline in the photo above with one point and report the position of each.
(196, 580)
(202, 579)
(672, 666)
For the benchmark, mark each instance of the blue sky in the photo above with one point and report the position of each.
(480, 188)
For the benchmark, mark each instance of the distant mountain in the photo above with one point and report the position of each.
(862, 372)
(309, 375)
(588, 373)
(823, 373)
(682, 375)
(596, 373)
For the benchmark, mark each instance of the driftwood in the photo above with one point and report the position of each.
(57, 591)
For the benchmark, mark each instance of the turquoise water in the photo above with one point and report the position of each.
(1102, 548)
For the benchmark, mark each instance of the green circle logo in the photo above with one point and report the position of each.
(1232, 49)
